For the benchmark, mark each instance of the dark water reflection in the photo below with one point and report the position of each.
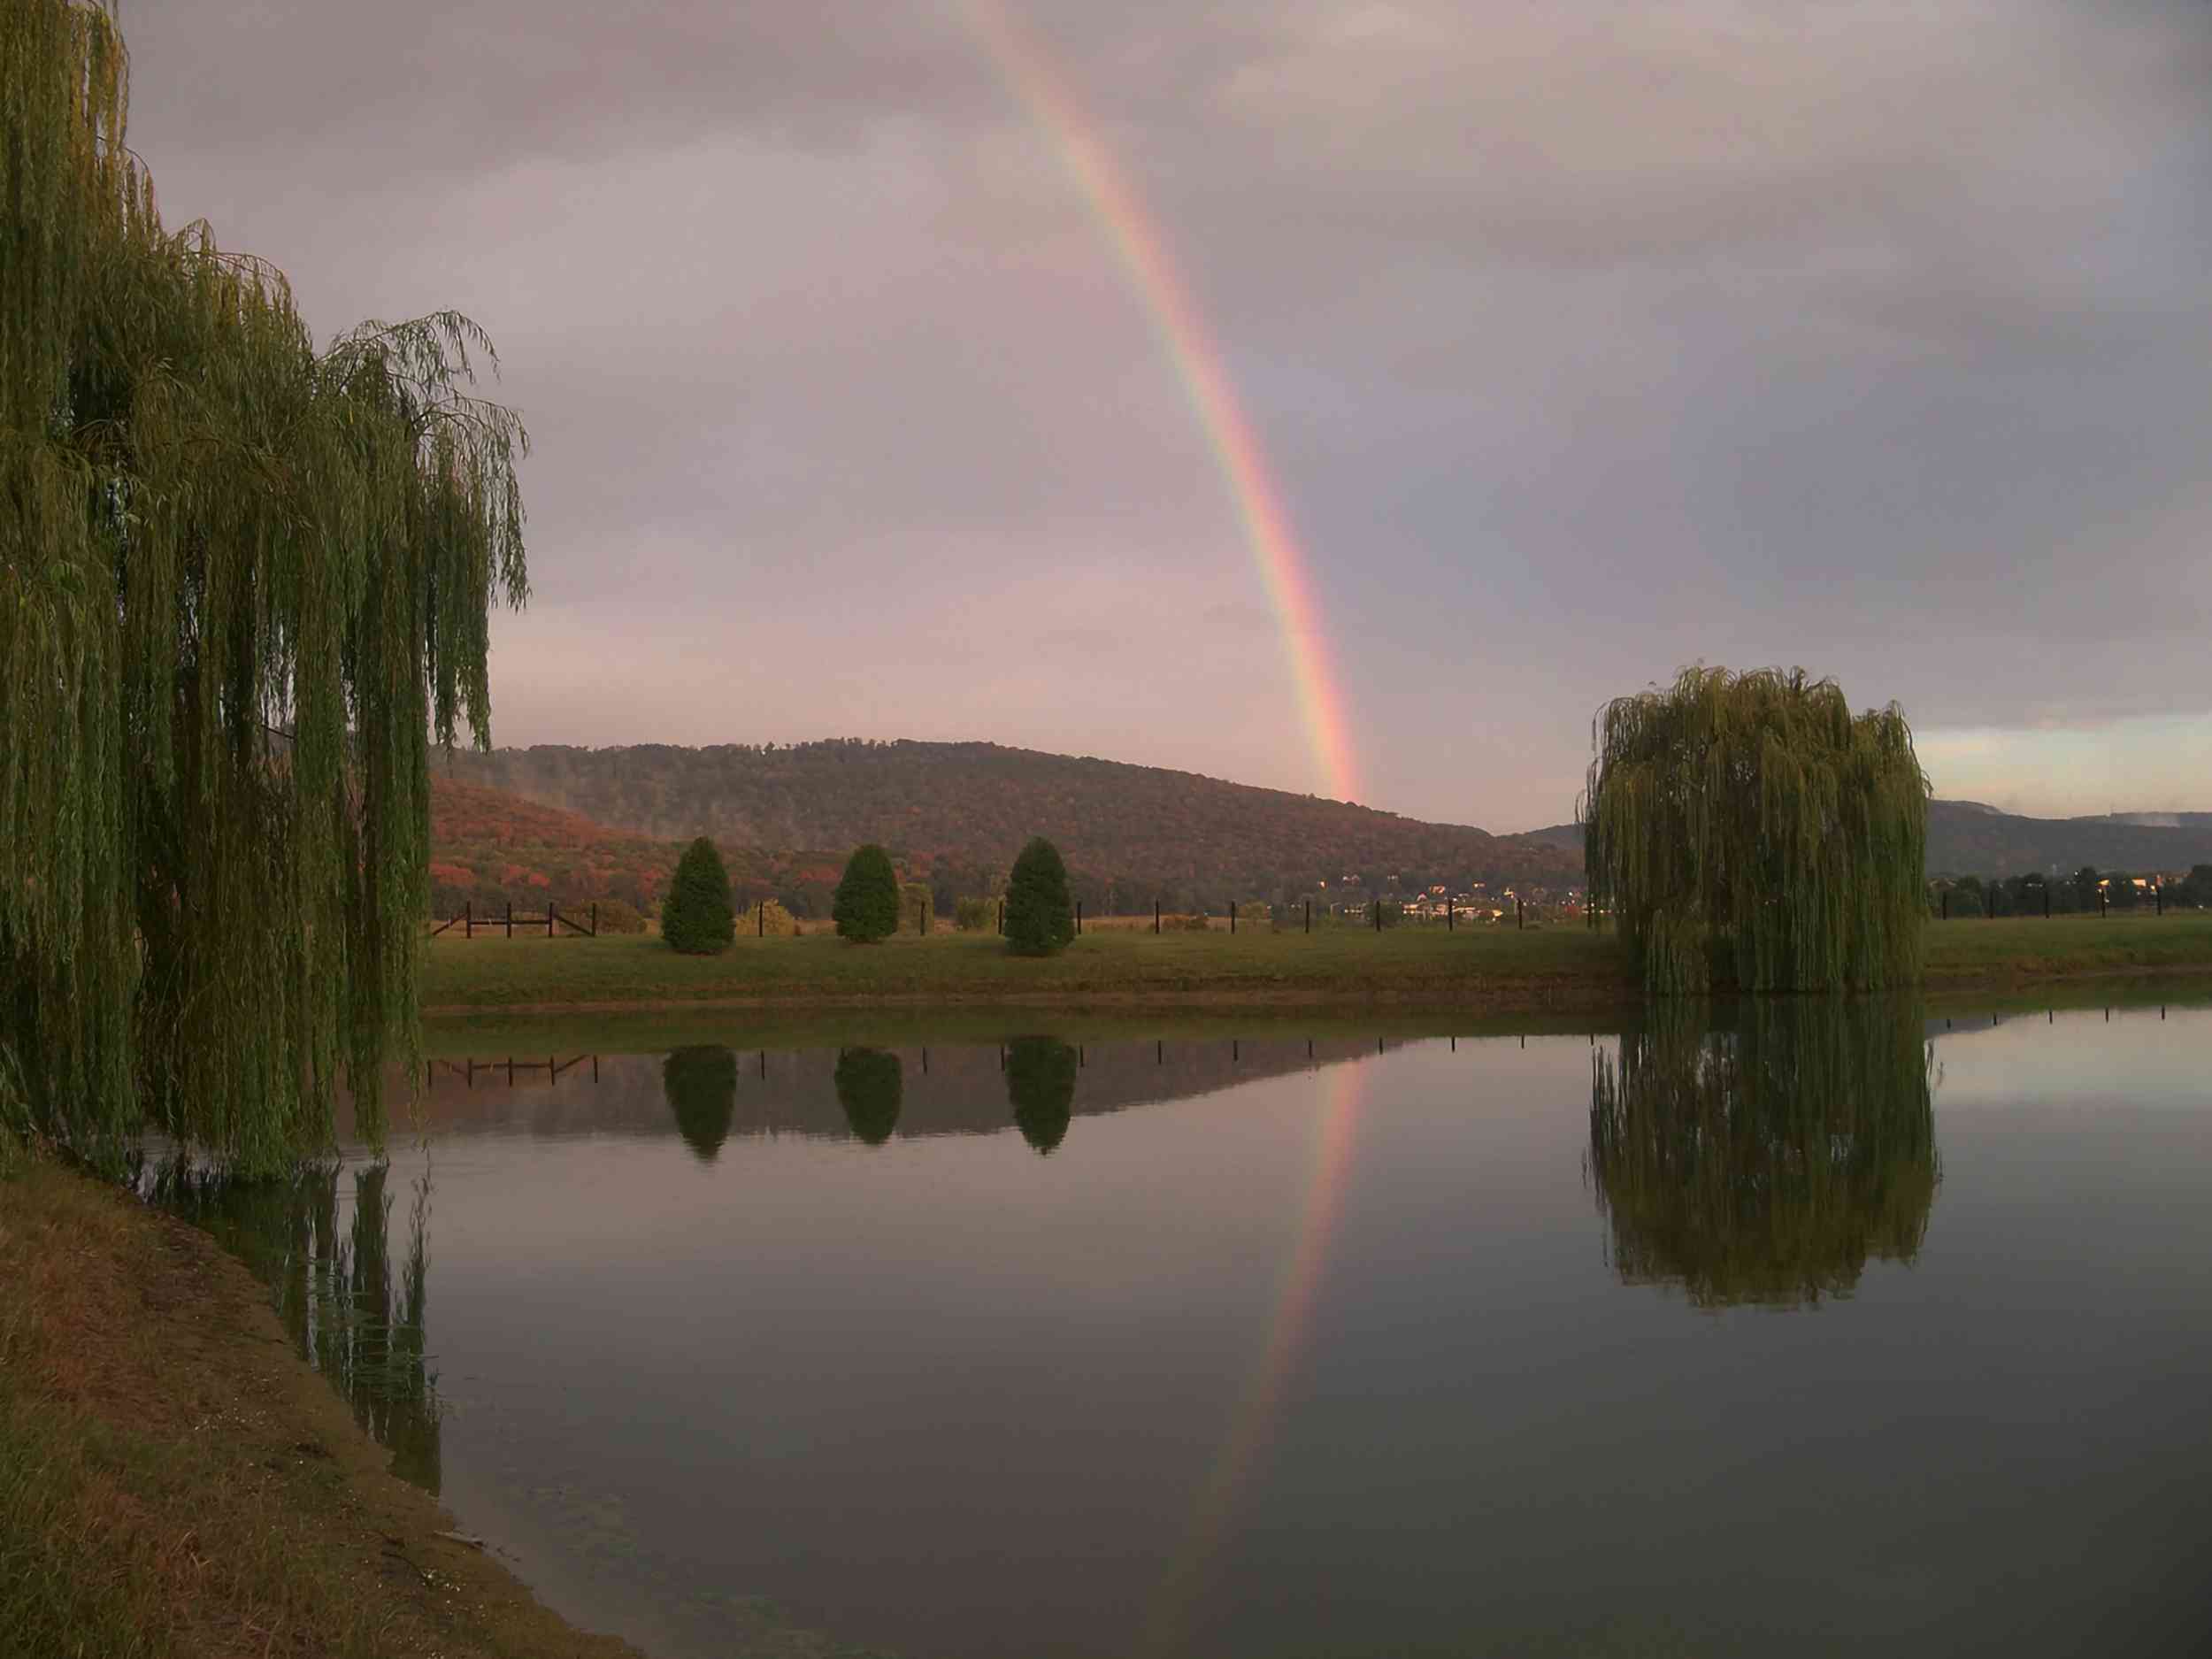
(1766, 1160)
(353, 1313)
(1882, 1337)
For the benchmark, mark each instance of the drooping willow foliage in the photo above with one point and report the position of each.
(1765, 1162)
(1749, 829)
(243, 584)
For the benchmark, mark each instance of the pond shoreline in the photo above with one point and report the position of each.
(1422, 979)
(174, 1477)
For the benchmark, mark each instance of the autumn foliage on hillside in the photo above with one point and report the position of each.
(490, 848)
(954, 815)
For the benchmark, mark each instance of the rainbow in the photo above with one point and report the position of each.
(1252, 1426)
(1142, 251)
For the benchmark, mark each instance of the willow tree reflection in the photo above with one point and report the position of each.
(870, 1086)
(701, 1083)
(1041, 1087)
(1765, 1161)
(352, 1312)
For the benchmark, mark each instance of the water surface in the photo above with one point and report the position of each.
(1816, 1333)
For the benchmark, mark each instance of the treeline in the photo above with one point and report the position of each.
(2087, 889)
(955, 814)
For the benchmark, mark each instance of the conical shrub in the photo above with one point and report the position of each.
(1040, 915)
(867, 904)
(695, 917)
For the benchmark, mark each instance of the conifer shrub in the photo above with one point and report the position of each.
(695, 917)
(1040, 913)
(973, 915)
(867, 904)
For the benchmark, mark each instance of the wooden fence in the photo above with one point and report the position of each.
(468, 921)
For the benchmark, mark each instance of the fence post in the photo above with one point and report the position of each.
(2104, 908)
(1945, 896)
(760, 928)
(551, 911)
(1233, 916)
(1451, 913)
(1520, 915)
(1310, 916)
(468, 918)
(2158, 893)
(511, 918)
(1079, 915)
(1376, 905)
(1156, 916)
(1002, 915)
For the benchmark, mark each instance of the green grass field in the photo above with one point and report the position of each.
(1496, 969)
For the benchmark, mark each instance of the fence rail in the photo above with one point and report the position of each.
(468, 921)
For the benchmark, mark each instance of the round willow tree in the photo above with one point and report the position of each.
(1748, 830)
(245, 583)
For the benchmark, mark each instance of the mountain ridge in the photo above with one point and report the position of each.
(611, 820)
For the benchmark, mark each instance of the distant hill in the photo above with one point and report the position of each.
(955, 814)
(491, 848)
(1966, 838)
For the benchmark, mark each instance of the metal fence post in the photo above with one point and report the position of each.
(1520, 915)
(468, 918)
(1079, 915)
(511, 918)
(1233, 916)
(1310, 916)
(1155, 915)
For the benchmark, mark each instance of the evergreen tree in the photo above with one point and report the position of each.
(1040, 915)
(1748, 828)
(244, 585)
(695, 917)
(867, 902)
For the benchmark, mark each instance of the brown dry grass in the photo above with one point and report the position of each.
(174, 1481)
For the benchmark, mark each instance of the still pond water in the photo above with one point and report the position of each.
(1813, 1333)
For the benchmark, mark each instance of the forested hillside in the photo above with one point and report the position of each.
(955, 814)
(1967, 839)
(489, 848)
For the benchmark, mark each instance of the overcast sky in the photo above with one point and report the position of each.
(1585, 341)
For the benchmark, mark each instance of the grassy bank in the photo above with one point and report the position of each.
(174, 1481)
(1483, 968)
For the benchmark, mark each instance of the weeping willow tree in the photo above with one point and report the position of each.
(1767, 1162)
(245, 583)
(1749, 829)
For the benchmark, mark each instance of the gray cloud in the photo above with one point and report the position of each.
(1586, 339)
